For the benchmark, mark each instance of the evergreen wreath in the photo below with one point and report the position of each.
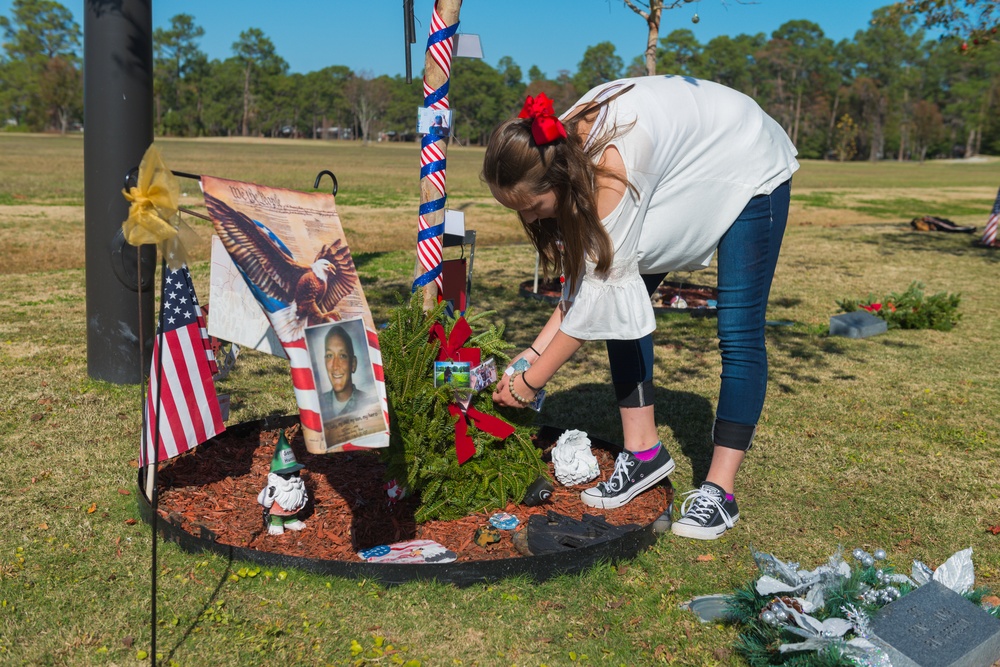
(910, 309)
(767, 621)
(421, 453)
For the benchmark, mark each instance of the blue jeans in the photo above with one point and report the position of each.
(747, 255)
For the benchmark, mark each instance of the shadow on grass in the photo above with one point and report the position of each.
(957, 244)
(363, 259)
(209, 603)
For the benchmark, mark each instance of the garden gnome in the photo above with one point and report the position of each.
(285, 494)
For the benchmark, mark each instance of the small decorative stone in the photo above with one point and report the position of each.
(486, 535)
(395, 491)
(504, 521)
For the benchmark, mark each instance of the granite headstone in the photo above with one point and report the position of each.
(859, 324)
(934, 626)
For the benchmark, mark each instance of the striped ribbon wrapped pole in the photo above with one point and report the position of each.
(433, 151)
(990, 233)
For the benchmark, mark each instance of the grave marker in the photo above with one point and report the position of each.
(934, 626)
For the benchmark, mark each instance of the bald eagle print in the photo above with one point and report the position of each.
(294, 294)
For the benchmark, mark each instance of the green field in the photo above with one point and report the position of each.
(888, 442)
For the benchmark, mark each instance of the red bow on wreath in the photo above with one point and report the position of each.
(451, 346)
(451, 349)
(464, 447)
(545, 126)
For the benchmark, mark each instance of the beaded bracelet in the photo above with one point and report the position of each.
(510, 385)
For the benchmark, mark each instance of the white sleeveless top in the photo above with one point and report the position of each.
(696, 154)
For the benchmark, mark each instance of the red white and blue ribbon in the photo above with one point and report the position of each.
(440, 43)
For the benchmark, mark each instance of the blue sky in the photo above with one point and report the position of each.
(552, 34)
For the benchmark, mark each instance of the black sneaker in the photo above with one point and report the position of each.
(706, 514)
(629, 478)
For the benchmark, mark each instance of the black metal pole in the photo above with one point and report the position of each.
(118, 127)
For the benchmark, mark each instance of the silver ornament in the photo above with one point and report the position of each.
(879, 554)
(880, 575)
(695, 19)
(858, 553)
(867, 560)
(768, 617)
(781, 615)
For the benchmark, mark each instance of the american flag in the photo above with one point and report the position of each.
(181, 392)
(990, 233)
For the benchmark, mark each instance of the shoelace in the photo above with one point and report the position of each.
(617, 480)
(699, 506)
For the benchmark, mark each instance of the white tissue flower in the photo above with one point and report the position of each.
(573, 461)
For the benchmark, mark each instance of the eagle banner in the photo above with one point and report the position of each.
(290, 248)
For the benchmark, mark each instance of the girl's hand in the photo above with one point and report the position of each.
(502, 395)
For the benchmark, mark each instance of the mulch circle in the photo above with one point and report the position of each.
(214, 488)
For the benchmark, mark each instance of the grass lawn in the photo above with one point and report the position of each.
(888, 442)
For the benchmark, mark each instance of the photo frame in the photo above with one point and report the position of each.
(437, 122)
(349, 402)
(456, 374)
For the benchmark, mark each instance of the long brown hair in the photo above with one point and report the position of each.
(514, 163)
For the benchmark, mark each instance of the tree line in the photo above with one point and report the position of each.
(887, 93)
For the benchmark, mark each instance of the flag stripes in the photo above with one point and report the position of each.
(182, 408)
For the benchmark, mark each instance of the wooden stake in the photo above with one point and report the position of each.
(434, 78)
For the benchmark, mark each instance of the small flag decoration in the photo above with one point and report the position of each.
(182, 408)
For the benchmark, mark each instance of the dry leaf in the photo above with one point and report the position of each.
(130, 522)
(994, 529)
(704, 558)
(43, 526)
(92, 508)
(125, 492)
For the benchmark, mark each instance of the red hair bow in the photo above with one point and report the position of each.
(545, 126)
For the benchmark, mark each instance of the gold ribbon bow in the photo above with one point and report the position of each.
(152, 212)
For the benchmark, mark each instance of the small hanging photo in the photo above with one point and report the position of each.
(484, 375)
(434, 121)
(453, 373)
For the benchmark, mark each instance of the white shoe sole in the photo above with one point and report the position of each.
(700, 532)
(603, 503)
